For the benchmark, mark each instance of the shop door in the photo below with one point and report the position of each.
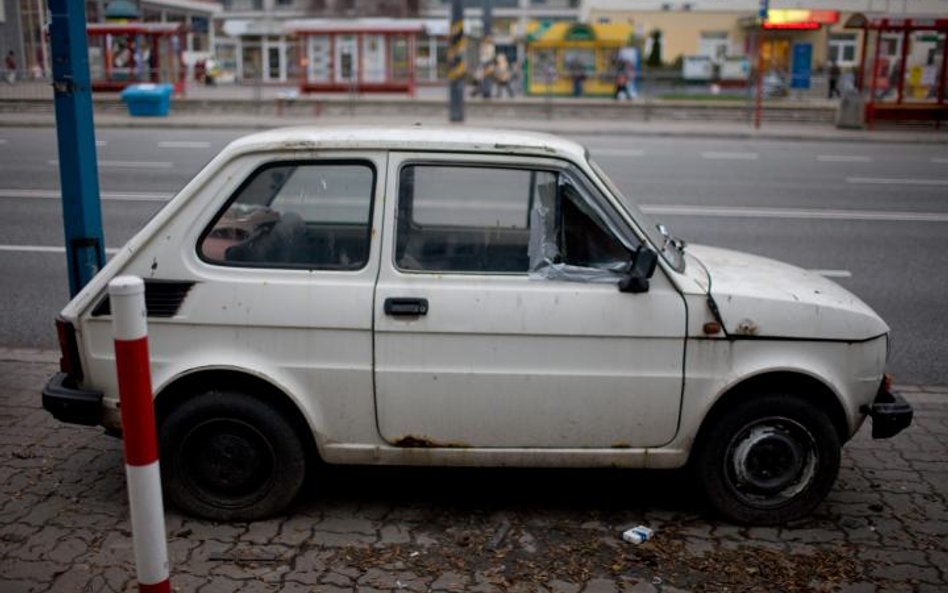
(251, 61)
(373, 58)
(319, 59)
(276, 60)
(345, 59)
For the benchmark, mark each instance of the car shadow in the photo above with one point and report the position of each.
(505, 489)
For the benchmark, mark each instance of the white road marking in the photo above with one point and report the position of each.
(894, 181)
(45, 249)
(128, 164)
(730, 156)
(842, 158)
(619, 152)
(183, 144)
(101, 142)
(794, 213)
(834, 273)
(55, 194)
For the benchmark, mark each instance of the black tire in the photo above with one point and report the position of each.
(228, 456)
(768, 460)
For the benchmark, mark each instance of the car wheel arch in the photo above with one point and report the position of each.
(796, 384)
(202, 380)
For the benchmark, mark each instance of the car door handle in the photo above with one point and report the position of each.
(411, 307)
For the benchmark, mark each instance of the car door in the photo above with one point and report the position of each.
(498, 322)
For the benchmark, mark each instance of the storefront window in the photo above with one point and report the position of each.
(399, 53)
(713, 44)
(584, 57)
(842, 49)
(544, 66)
(922, 66)
(226, 61)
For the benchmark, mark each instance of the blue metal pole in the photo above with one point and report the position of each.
(78, 169)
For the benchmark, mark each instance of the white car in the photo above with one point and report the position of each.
(475, 298)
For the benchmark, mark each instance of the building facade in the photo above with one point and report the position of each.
(256, 44)
(717, 29)
(24, 27)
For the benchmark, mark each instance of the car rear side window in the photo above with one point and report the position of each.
(296, 215)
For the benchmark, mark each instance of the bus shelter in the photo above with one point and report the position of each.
(559, 52)
(121, 54)
(902, 72)
(357, 56)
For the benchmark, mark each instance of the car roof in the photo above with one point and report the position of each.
(411, 138)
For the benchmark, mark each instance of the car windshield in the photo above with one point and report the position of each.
(671, 249)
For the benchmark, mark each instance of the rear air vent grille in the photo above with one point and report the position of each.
(163, 298)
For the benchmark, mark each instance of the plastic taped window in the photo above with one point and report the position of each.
(570, 241)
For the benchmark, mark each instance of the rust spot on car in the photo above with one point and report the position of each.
(711, 328)
(416, 442)
(747, 327)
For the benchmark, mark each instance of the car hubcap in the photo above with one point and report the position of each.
(227, 459)
(771, 461)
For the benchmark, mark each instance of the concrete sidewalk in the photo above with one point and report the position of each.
(563, 126)
(64, 522)
(247, 107)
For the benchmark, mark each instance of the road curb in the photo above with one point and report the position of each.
(28, 355)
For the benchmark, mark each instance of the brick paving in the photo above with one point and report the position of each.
(64, 522)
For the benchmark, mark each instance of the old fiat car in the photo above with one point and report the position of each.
(463, 297)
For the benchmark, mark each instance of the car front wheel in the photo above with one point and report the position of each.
(228, 456)
(768, 460)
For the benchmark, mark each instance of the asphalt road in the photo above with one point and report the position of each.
(872, 216)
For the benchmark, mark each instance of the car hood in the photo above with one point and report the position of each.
(762, 297)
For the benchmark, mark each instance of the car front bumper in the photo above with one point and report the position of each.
(890, 414)
(71, 404)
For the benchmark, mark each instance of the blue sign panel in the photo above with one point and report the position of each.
(762, 11)
(801, 66)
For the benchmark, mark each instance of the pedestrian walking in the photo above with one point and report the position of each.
(622, 81)
(834, 73)
(477, 81)
(9, 65)
(578, 74)
(502, 76)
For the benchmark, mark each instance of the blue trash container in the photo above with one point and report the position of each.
(148, 99)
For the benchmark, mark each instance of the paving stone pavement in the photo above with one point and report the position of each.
(64, 522)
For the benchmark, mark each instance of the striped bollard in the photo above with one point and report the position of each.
(130, 330)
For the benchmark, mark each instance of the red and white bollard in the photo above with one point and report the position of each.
(130, 330)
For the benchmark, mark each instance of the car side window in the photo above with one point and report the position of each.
(573, 241)
(296, 215)
(466, 218)
(584, 240)
(480, 219)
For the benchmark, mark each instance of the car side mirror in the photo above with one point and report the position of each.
(641, 268)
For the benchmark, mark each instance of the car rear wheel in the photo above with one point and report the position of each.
(228, 456)
(768, 460)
